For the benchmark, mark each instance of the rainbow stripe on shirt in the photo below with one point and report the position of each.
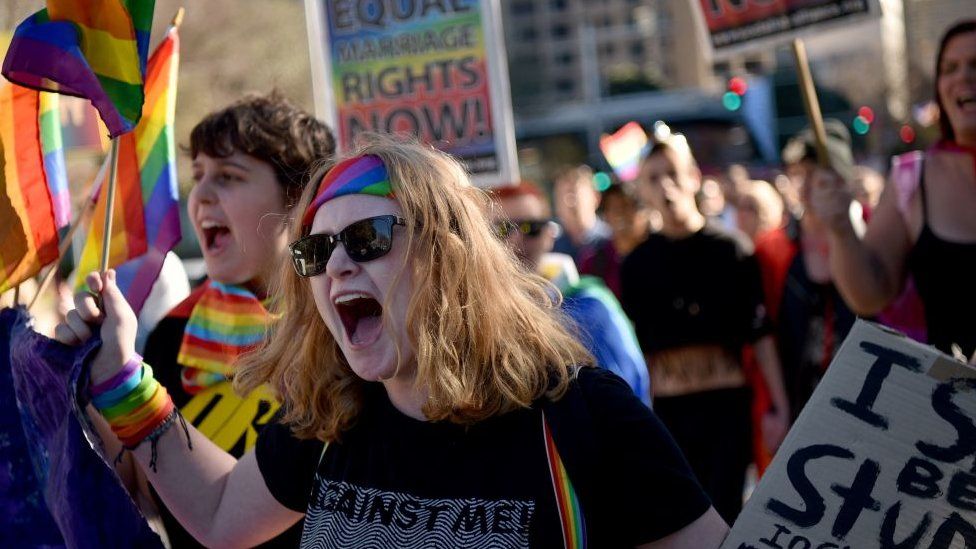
(567, 502)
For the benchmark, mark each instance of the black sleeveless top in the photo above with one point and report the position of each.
(945, 275)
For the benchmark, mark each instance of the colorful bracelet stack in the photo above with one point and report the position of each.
(135, 405)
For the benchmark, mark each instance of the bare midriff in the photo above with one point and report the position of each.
(694, 369)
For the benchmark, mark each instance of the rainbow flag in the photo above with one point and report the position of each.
(53, 148)
(623, 150)
(94, 49)
(147, 163)
(28, 233)
(128, 222)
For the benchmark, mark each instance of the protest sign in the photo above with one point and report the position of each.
(730, 24)
(882, 456)
(435, 69)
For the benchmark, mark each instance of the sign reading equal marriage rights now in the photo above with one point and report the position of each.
(433, 69)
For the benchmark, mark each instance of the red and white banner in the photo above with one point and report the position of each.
(731, 23)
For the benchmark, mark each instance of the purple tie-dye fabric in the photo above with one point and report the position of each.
(24, 519)
(82, 491)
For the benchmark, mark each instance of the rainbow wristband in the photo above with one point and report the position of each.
(140, 412)
(145, 411)
(134, 399)
(133, 365)
(114, 396)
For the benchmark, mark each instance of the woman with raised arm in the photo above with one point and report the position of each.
(924, 225)
(455, 408)
(251, 161)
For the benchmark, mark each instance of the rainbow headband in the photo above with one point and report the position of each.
(360, 175)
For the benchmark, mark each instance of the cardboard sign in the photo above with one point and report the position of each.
(734, 23)
(882, 456)
(433, 69)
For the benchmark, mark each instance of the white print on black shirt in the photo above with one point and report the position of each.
(346, 515)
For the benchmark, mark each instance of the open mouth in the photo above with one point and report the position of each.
(361, 317)
(215, 235)
(967, 103)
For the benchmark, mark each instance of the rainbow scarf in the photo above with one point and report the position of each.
(359, 175)
(225, 323)
(567, 502)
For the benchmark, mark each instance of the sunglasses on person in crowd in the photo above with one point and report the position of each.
(364, 240)
(529, 228)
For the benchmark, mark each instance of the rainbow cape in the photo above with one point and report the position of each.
(94, 49)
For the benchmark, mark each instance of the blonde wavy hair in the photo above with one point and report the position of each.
(488, 335)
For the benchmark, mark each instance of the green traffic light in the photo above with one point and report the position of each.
(731, 101)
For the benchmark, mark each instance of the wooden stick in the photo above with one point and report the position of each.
(110, 203)
(178, 18)
(810, 102)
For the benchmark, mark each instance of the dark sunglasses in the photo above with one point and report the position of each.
(528, 228)
(364, 240)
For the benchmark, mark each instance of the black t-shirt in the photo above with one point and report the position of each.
(394, 481)
(162, 349)
(702, 289)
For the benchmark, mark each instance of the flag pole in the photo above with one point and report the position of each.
(110, 202)
(810, 102)
(83, 218)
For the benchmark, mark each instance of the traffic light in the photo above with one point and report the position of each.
(732, 99)
(907, 134)
(862, 122)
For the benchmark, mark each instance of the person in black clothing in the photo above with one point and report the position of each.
(454, 407)
(251, 161)
(813, 318)
(695, 295)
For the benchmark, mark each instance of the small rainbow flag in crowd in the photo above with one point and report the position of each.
(623, 150)
(150, 215)
(28, 233)
(94, 49)
(53, 148)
